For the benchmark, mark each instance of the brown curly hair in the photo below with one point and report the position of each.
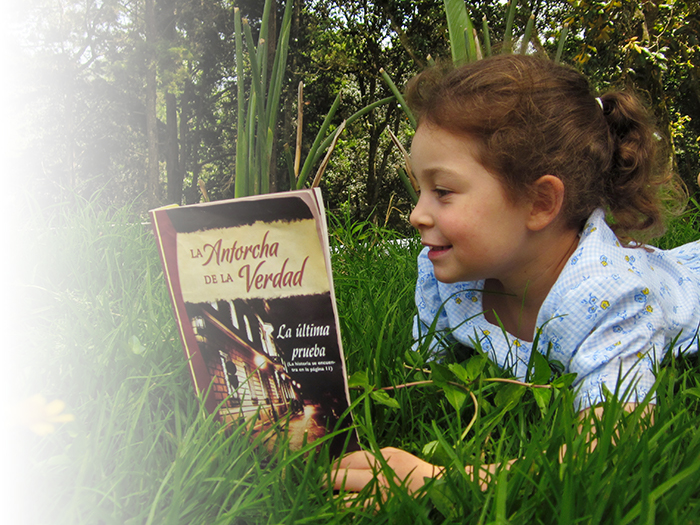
(532, 117)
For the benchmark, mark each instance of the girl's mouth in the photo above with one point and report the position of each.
(437, 251)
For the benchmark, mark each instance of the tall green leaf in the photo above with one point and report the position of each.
(259, 115)
(309, 162)
(397, 93)
(562, 41)
(487, 37)
(527, 35)
(275, 90)
(456, 12)
(470, 39)
(508, 34)
(240, 187)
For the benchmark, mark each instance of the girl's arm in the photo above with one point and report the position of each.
(359, 468)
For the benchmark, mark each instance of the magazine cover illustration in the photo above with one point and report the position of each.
(253, 294)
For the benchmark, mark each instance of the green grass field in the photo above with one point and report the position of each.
(90, 323)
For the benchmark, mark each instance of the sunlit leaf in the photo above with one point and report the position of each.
(430, 448)
(509, 396)
(413, 358)
(135, 345)
(542, 397)
(540, 371)
(460, 372)
(456, 13)
(564, 381)
(475, 366)
(381, 397)
(455, 395)
(359, 379)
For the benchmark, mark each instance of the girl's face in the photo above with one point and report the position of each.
(474, 231)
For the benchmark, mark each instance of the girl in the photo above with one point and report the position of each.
(535, 196)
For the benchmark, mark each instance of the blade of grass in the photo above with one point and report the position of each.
(456, 13)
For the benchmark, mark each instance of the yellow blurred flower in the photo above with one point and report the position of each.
(39, 416)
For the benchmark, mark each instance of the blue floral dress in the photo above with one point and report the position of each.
(610, 317)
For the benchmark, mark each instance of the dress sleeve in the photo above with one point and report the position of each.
(614, 327)
(430, 325)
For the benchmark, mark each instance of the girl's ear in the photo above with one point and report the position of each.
(547, 201)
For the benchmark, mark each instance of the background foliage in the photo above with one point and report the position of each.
(137, 99)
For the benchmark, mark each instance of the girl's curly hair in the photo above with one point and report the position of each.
(532, 117)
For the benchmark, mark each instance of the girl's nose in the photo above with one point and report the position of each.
(420, 217)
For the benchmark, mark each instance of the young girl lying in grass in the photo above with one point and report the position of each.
(535, 197)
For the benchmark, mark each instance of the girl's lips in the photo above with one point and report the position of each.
(437, 251)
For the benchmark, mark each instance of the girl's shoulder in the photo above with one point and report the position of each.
(600, 254)
(601, 262)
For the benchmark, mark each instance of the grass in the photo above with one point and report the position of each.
(91, 324)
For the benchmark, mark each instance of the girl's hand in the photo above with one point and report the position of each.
(358, 469)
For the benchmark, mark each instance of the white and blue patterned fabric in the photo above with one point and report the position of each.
(611, 315)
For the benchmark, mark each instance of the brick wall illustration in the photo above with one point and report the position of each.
(248, 373)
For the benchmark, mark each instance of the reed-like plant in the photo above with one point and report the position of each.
(464, 39)
(258, 109)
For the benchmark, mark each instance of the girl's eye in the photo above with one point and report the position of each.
(440, 192)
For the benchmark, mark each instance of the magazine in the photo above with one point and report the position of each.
(252, 289)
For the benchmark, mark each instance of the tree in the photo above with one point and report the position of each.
(334, 54)
(652, 47)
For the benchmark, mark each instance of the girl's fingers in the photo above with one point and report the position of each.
(354, 471)
(357, 469)
(358, 460)
(353, 480)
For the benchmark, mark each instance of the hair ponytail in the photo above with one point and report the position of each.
(638, 168)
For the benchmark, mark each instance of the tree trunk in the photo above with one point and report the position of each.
(153, 171)
(194, 140)
(271, 45)
(172, 156)
(290, 110)
(185, 135)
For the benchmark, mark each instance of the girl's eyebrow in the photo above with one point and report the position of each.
(432, 173)
(426, 175)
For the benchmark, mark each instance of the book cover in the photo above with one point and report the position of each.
(252, 289)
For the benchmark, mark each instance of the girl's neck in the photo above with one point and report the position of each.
(515, 304)
(517, 314)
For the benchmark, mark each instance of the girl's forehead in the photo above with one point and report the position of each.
(438, 145)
